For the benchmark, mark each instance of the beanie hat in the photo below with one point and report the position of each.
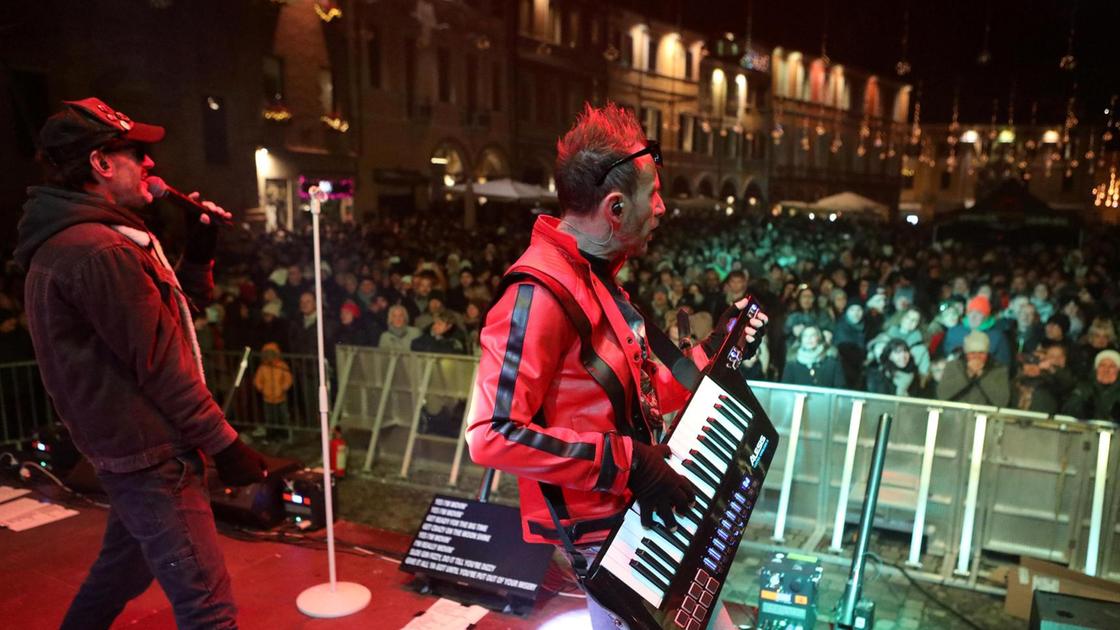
(352, 308)
(1106, 355)
(981, 304)
(976, 341)
(1061, 320)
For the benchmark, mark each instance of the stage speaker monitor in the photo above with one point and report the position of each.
(1059, 611)
(255, 505)
(472, 550)
(305, 501)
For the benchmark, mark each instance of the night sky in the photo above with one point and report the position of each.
(1027, 40)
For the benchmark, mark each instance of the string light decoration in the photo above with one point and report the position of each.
(954, 131)
(916, 127)
(902, 68)
(336, 122)
(327, 10)
(1107, 195)
(778, 131)
(1071, 119)
(1091, 154)
(276, 112)
(985, 56)
(1068, 62)
(837, 135)
(824, 38)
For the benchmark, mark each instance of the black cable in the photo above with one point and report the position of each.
(928, 595)
(301, 540)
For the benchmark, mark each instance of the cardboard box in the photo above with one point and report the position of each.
(1034, 574)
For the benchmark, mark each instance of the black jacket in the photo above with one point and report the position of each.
(111, 345)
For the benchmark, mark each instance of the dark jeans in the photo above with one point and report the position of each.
(160, 525)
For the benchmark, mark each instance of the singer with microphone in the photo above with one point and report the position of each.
(111, 322)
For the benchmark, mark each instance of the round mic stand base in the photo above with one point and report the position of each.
(323, 602)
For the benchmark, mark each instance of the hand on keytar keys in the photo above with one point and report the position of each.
(658, 487)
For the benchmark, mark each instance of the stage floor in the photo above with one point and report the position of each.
(43, 568)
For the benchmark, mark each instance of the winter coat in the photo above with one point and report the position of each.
(993, 387)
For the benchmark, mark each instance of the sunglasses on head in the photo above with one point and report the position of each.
(653, 149)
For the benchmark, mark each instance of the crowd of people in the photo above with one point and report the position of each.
(852, 305)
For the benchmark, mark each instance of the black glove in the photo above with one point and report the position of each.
(202, 239)
(657, 486)
(723, 327)
(239, 465)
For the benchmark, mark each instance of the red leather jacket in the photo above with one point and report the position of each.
(540, 414)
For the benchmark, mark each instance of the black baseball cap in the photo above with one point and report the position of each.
(85, 125)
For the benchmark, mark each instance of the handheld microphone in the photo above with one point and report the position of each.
(162, 190)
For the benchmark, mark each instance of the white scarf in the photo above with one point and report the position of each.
(149, 243)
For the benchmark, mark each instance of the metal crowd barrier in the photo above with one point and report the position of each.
(417, 401)
(298, 412)
(24, 404)
(959, 479)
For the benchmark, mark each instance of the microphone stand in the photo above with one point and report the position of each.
(334, 598)
(853, 611)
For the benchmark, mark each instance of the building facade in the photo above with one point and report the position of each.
(834, 129)
(396, 104)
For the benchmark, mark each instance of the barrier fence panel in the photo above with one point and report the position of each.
(1095, 551)
(1110, 530)
(1035, 480)
(912, 493)
(24, 404)
(958, 479)
(298, 408)
(413, 404)
(445, 385)
(362, 389)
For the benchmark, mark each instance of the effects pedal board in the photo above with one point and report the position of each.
(787, 596)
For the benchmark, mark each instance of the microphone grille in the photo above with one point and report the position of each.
(156, 186)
